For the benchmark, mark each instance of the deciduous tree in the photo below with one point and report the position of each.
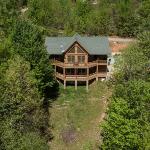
(20, 102)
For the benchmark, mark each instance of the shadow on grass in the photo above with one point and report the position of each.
(51, 95)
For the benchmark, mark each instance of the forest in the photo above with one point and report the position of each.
(27, 84)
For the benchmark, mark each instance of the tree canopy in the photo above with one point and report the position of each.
(123, 18)
(127, 125)
(20, 106)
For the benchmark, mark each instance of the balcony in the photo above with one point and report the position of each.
(80, 77)
(79, 65)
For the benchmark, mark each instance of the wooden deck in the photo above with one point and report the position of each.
(80, 77)
(92, 71)
(81, 65)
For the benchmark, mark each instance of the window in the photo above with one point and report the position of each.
(82, 72)
(72, 50)
(81, 59)
(70, 72)
(71, 59)
(79, 50)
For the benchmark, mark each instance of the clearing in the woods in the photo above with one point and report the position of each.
(76, 117)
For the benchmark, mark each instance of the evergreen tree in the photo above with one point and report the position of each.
(27, 41)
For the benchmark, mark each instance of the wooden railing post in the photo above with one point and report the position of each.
(87, 71)
(64, 72)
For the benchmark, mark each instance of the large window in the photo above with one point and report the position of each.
(71, 59)
(81, 59)
(70, 71)
(81, 72)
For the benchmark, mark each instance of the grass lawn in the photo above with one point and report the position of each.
(76, 116)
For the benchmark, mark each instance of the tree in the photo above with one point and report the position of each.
(20, 102)
(143, 13)
(132, 64)
(46, 14)
(144, 43)
(128, 117)
(80, 16)
(125, 20)
(100, 22)
(134, 61)
(9, 12)
(127, 125)
(40, 12)
(27, 41)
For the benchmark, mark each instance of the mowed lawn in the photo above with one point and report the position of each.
(76, 117)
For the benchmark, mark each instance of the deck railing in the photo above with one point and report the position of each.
(89, 64)
(85, 77)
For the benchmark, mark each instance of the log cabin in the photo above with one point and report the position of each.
(79, 60)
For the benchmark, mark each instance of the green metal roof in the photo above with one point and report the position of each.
(95, 45)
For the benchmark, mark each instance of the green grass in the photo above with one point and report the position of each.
(80, 111)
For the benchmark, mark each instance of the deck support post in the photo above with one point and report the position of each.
(76, 84)
(97, 78)
(64, 84)
(87, 85)
(97, 72)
